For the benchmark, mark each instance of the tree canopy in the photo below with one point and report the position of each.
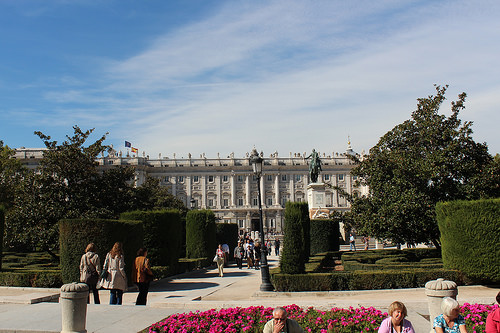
(426, 159)
(66, 184)
(10, 170)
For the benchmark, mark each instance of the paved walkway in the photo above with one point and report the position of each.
(202, 290)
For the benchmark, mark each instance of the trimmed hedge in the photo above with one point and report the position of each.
(162, 234)
(294, 254)
(200, 234)
(361, 280)
(227, 233)
(324, 236)
(2, 226)
(469, 237)
(75, 234)
(389, 259)
(39, 279)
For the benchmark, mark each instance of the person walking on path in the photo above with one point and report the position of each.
(281, 323)
(116, 279)
(238, 255)
(90, 269)
(219, 253)
(257, 253)
(277, 244)
(249, 254)
(142, 275)
(493, 319)
(396, 321)
(352, 242)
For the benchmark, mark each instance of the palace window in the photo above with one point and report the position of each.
(341, 177)
(196, 179)
(225, 178)
(283, 178)
(269, 178)
(180, 179)
(210, 179)
(270, 201)
(326, 177)
(298, 178)
(255, 201)
(240, 201)
(240, 178)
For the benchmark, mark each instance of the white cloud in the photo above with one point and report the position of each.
(292, 76)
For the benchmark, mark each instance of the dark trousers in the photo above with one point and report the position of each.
(239, 262)
(143, 293)
(95, 291)
(115, 296)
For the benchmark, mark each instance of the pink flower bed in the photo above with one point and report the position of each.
(475, 316)
(253, 319)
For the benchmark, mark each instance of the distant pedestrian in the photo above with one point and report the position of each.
(352, 242)
(116, 279)
(225, 248)
(238, 255)
(142, 275)
(277, 247)
(257, 254)
(366, 240)
(249, 254)
(219, 253)
(90, 269)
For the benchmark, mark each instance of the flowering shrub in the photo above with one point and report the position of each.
(336, 320)
(475, 316)
(253, 319)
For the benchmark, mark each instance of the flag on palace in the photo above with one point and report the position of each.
(134, 150)
(128, 144)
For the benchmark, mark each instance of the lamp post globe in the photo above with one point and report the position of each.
(256, 161)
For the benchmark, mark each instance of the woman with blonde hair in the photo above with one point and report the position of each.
(396, 321)
(450, 321)
(116, 279)
(90, 268)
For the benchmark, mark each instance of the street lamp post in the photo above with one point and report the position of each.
(266, 285)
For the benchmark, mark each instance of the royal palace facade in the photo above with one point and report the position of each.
(228, 186)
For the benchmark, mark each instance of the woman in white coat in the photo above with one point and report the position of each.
(116, 280)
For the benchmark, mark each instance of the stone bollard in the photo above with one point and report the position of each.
(74, 307)
(436, 290)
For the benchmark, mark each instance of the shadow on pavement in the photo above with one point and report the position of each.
(176, 286)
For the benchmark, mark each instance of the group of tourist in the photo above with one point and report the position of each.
(112, 275)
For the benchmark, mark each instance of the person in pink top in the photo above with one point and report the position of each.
(493, 319)
(396, 322)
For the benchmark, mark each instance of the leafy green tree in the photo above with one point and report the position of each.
(66, 184)
(151, 196)
(10, 173)
(426, 159)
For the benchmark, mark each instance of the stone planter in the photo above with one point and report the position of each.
(436, 290)
(73, 301)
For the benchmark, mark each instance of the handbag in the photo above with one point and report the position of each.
(215, 259)
(90, 277)
(149, 276)
(104, 272)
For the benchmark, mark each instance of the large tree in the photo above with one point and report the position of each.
(67, 184)
(10, 172)
(426, 159)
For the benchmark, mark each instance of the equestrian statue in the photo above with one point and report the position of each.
(314, 166)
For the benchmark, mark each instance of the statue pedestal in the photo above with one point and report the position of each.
(316, 199)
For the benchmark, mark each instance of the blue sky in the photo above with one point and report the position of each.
(222, 76)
